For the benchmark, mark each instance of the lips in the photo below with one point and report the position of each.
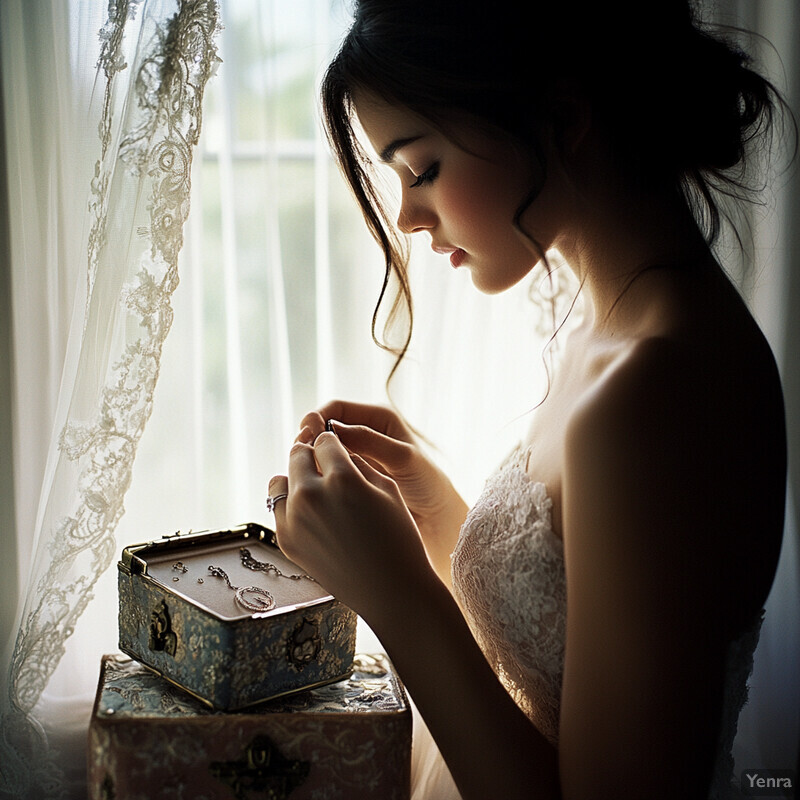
(457, 258)
(457, 255)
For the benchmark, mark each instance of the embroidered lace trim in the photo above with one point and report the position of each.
(149, 124)
(508, 575)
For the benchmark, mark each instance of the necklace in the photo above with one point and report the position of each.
(253, 598)
(264, 566)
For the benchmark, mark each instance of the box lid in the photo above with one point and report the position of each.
(128, 689)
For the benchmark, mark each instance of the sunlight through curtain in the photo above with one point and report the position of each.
(154, 60)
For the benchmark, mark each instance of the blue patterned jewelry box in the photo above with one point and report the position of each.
(349, 740)
(227, 617)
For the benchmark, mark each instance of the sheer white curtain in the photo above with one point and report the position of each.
(102, 107)
(272, 318)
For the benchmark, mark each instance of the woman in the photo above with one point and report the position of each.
(586, 630)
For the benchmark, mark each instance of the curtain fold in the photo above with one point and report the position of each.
(119, 241)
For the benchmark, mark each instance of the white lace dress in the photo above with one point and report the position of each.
(509, 578)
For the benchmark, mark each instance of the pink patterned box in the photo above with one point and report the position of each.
(150, 740)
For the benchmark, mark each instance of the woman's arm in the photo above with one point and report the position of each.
(491, 748)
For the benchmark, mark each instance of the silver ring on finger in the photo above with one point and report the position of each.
(273, 501)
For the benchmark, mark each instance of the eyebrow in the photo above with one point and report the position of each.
(388, 152)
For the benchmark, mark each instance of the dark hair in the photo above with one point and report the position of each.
(682, 108)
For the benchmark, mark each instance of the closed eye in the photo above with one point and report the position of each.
(428, 176)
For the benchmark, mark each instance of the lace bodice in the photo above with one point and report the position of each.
(510, 580)
(508, 576)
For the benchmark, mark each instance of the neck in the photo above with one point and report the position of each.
(617, 235)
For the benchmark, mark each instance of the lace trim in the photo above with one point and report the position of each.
(97, 445)
(508, 576)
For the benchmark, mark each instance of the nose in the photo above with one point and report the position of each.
(415, 216)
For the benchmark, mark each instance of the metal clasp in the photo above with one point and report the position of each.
(162, 637)
(304, 644)
(263, 770)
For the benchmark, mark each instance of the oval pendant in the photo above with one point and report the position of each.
(253, 598)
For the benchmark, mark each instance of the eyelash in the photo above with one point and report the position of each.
(428, 176)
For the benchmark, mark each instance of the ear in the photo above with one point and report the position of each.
(572, 117)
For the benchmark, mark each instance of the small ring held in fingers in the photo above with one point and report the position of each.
(273, 501)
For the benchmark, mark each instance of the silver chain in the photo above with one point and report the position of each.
(265, 566)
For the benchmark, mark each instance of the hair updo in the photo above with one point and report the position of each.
(683, 109)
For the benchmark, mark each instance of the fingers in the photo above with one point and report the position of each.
(313, 423)
(376, 447)
(372, 475)
(325, 458)
(331, 454)
(379, 418)
(317, 455)
(302, 470)
(310, 461)
(306, 435)
(302, 465)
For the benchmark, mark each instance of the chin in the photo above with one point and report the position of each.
(488, 289)
(493, 283)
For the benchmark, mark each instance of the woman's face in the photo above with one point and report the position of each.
(464, 196)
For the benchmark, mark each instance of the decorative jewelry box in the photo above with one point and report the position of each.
(227, 617)
(349, 740)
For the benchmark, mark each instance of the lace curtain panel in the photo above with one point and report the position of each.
(154, 60)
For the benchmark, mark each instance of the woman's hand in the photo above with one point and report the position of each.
(347, 525)
(382, 439)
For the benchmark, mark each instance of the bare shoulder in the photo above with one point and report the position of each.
(706, 402)
(682, 446)
(720, 378)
